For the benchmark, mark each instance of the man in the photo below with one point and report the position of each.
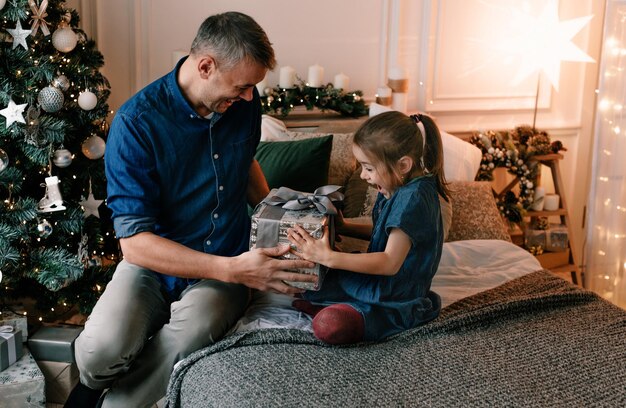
(180, 168)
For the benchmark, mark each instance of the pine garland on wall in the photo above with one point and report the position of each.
(281, 101)
(57, 244)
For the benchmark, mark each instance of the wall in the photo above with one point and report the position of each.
(458, 68)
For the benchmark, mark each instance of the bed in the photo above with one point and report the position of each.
(510, 333)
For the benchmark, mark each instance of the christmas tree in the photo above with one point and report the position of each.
(57, 244)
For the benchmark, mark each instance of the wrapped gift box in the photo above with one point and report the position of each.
(535, 238)
(54, 343)
(15, 320)
(60, 379)
(557, 238)
(10, 346)
(22, 384)
(284, 208)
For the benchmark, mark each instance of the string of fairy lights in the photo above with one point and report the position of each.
(607, 215)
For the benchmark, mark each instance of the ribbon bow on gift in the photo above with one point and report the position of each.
(322, 198)
(39, 13)
(6, 329)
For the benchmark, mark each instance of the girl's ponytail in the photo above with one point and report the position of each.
(432, 156)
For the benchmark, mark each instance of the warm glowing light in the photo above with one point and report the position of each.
(604, 104)
(544, 43)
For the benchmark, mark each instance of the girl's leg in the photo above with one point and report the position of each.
(307, 307)
(339, 324)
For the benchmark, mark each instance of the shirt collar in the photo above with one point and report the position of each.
(179, 99)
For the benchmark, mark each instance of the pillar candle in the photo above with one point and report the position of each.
(399, 101)
(287, 77)
(551, 202)
(316, 76)
(538, 199)
(383, 96)
(341, 81)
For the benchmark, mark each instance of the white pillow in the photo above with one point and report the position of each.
(273, 130)
(461, 159)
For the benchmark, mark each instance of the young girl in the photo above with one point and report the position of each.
(372, 295)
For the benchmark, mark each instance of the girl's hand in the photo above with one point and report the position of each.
(309, 248)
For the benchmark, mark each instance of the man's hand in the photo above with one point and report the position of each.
(258, 269)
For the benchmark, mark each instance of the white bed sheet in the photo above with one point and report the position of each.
(466, 268)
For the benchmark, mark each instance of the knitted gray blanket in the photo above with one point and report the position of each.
(535, 341)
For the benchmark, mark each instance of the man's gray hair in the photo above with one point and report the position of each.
(231, 38)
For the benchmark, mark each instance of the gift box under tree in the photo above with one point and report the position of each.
(53, 349)
(284, 208)
(22, 384)
(10, 346)
(17, 321)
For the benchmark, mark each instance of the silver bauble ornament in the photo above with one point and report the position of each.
(87, 100)
(62, 157)
(64, 39)
(50, 99)
(2, 3)
(4, 160)
(93, 147)
(44, 228)
(61, 82)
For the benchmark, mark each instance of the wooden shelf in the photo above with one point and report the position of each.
(556, 213)
(560, 263)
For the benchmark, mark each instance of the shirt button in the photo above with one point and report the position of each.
(221, 188)
(216, 156)
(215, 215)
(208, 242)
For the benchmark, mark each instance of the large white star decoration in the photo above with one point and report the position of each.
(19, 35)
(90, 205)
(545, 42)
(13, 113)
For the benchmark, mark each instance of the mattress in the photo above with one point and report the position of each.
(466, 268)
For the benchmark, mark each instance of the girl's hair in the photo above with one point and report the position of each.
(233, 37)
(388, 136)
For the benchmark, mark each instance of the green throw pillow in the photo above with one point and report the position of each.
(299, 164)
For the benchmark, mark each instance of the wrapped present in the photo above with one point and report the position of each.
(18, 322)
(557, 238)
(60, 379)
(284, 208)
(22, 384)
(54, 343)
(535, 238)
(10, 346)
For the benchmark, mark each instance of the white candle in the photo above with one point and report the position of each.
(538, 199)
(383, 96)
(399, 101)
(316, 76)
(261, 86)
(551, 202)
(287, 77)
(341, 81)
(397, 73)
(383, 92)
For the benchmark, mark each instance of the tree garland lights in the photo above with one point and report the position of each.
(515, 151)
(281, 101)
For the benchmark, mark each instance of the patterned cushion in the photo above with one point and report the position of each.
(474, 212)
(342, 161)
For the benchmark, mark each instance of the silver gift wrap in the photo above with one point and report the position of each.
(283, 209)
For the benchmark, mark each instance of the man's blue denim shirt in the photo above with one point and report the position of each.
(179, 175)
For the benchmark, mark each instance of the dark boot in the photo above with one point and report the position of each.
(83, 397)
